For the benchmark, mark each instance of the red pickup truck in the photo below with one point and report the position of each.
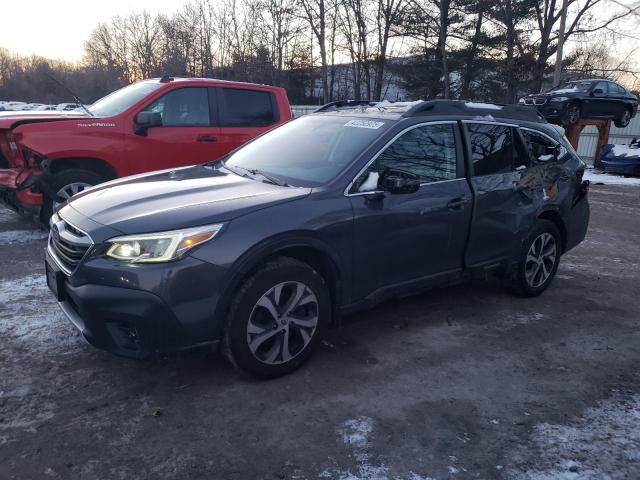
(46, 157)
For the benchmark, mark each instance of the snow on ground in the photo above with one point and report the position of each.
(47, 329)
(607, 179)
(592, 447)
(21, 236)
(357, 435)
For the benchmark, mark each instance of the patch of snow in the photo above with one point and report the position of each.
(29, 315)
(597, 445)
(7, 215)
(485, 106)
(485, 118)
(356, 434)
(21, 236)
(565, 90)
(545, 158)
(609, 179)
(625, 151)
(453, 470)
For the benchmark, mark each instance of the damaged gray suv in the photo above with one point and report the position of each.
(262, 251)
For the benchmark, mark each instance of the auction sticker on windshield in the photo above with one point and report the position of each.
(364, 124)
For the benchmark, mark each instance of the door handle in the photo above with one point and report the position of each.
(457, 203)
(206, 138)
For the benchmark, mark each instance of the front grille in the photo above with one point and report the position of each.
(539, 101)
(67, 244)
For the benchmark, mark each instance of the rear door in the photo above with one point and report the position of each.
(599, 104)
(188, 134)
(402, 239)
(243, 115)
(501, 210)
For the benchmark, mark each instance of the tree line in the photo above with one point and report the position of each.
(323, 50)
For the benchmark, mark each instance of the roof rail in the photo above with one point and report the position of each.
(461, 107)
(345, 103)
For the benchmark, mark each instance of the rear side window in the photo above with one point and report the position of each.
(246, 108)
(542, 148)
(615, 88)
(492, 148)
(183, 107)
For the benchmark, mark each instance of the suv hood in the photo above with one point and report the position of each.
(12, 119)
(179, 198)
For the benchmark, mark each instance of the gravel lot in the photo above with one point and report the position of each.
(465, 382)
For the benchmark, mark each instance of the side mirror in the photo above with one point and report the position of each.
(597, 91)
(145, 120)
(398, 181)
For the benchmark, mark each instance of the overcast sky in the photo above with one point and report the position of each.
(58, 28)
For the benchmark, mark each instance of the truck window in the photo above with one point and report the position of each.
(183, 107)
(428, 151)
(492, 149)
(246, 108)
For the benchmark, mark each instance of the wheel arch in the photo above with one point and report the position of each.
(301, 246)
(555, 217)
(93, 164)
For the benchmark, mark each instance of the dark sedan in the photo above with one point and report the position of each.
(327, 214)
(596, 98)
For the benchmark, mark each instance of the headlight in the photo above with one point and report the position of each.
(558, 99)
(521, 100)
(161, 246)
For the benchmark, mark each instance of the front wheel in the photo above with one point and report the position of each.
(277, 318)
(571, 114)
(66, 184)
(538, 260)
(624, 120)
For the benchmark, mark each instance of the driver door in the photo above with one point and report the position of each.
(401, 240)
(188, 134)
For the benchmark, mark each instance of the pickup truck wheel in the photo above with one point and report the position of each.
(571, 114)
(539, 260)
(624, 120)
(277, 319)
(66, 184)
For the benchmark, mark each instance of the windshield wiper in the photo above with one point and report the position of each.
(253, 172)
(270, 178)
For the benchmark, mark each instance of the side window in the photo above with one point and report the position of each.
(542, 148)
(615, 88)
(246, 108)
(492, 148)
(183, 107)
(602, 86)
(428, 151)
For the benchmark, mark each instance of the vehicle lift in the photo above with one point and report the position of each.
(573, 135)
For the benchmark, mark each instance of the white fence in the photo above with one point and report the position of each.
(586, 145)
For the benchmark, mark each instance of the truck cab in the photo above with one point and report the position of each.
(47, 157)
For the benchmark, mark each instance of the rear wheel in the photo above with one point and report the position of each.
(624, 119)
(571, 114)
(67, 183)
(538, 260)
(277, 319)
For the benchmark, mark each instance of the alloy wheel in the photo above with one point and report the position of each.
(282, 322)
(573, 113)
(540, 260)
(69, 191)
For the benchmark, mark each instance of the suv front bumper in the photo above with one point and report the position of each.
(159, 311)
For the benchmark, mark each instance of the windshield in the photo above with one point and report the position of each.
(118, 101)
(573, 87)
(309, 151)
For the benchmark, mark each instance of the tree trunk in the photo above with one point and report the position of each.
(473, 50)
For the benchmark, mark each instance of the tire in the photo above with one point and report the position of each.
(67, 180)
(258, 327)
(535, 272)
(624, 120)
(572, 114)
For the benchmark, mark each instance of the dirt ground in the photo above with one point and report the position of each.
(465, 382)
